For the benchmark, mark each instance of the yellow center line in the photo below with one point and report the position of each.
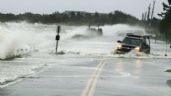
(91, 84)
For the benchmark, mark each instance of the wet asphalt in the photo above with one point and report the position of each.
(100, 76)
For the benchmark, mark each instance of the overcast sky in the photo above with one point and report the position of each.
(133, 7)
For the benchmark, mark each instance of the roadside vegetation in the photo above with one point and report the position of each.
(72, 17)
(165, 24)
(150, 23)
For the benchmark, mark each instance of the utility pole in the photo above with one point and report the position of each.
(152, 14)
(145, 17)
(149, 13)
(57, 37)
(142, 17)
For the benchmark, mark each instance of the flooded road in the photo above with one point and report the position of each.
(88, 67)
(100, 76)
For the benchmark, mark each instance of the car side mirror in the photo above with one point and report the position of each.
(119, 41)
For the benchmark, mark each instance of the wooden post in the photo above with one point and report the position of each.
(166, 43)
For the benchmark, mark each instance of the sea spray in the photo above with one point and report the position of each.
(22, 38)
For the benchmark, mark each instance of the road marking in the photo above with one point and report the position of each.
(19, 79)
(11, 83)
(91, 84)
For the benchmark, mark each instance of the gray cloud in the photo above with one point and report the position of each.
(134, 7)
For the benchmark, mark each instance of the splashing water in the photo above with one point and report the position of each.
(38, 40)
(18, 39)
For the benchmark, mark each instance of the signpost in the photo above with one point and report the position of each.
(57, 37)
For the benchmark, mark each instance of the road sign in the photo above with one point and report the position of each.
(57, 38)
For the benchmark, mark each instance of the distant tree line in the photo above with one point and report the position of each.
(74, 17)
(165, 24)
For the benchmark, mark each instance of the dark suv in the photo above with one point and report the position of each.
(134, 42)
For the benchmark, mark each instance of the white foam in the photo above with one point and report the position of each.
(18, 39)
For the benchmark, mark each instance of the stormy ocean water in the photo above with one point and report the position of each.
(27, 48)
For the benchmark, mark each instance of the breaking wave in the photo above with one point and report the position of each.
(22, 39)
